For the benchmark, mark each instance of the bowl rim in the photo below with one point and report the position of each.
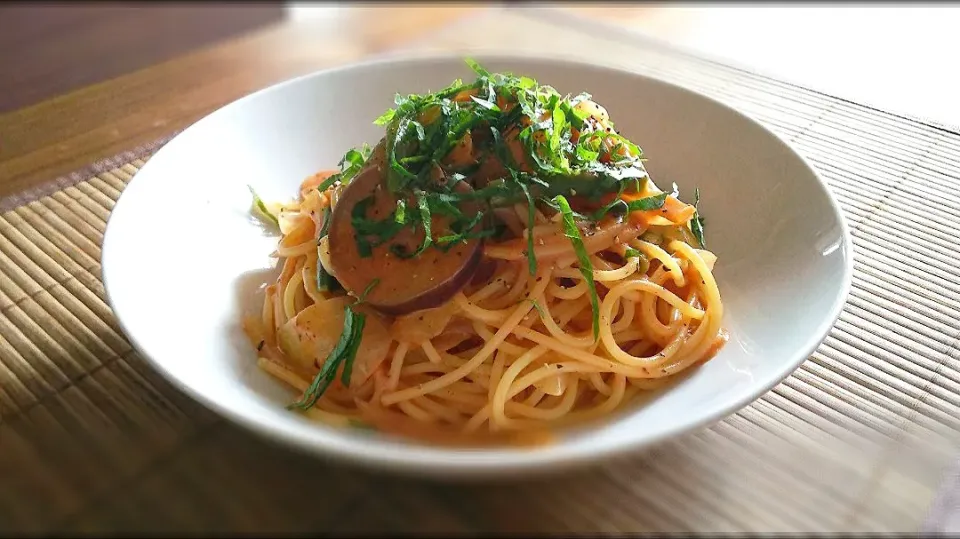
(522, 460)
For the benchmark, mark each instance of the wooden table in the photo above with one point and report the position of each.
(92, 439)
(64, 133)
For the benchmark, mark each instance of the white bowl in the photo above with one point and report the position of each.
(182, 257)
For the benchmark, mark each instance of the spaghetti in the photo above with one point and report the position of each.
(569, 311)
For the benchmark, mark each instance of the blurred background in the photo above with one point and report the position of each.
(890, 56)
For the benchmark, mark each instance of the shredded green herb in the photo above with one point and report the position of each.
(649, 203)
(696, 224)
(344, 352)
(328, 183)
(359, 320)
(476, 67)
(586, 268)
(370, 233)
(425, 219)
(325, 227)
(422, 130)
(643, 263)
(325, 281)
(531, 211)
(366, 291)
(350, 164)
(260, 209)
(536, 305)
(445, 243)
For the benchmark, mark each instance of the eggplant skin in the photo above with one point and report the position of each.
(405, 285)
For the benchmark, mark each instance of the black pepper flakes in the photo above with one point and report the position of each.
(260, 346)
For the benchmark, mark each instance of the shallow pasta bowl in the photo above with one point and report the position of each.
(183, 257)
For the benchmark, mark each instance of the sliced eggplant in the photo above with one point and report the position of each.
(404, 284)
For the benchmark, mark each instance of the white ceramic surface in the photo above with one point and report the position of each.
(183, 258)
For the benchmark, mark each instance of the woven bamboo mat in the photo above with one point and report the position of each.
(92, 440)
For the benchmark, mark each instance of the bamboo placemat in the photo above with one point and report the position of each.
(92, 440)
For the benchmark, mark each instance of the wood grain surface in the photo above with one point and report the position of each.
(61, 134)
(50, 48)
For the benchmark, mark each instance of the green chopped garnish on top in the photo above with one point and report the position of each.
(546, 145)
(536, 305)
(260, 209)
(342, 354)
(423, 129)
(424, 213)
(325, 281)
(696, 224)
(649, 203)
(350, 164)
(366, 291)
(583, 259)
(356, 334)
(531, 212)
